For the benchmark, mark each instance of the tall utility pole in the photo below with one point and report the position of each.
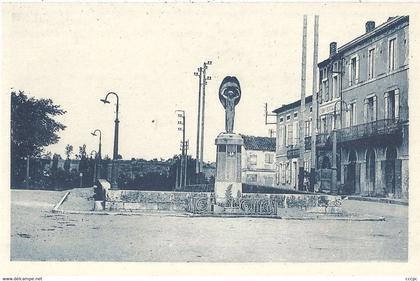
(197, 154)
(181, 114)
(185, 162)
(314, 105)
(302, 108)
(205, 78)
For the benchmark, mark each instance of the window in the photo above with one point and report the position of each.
(391, 106)
(281, 136)
(281, 119)
(295, 115)
(310, 109)
(289, 134)
(370, 109)
(251, 178)
(288, 117)
(307, 166)
(295, 133)
(352, 114)
(308, 128)
(371, 63)
(324, 124)
(325, 85)
(252, 159)
(278, 174)
(354, 70)
(335, 89)
(268, 180)
(269, 158)
(391, 54)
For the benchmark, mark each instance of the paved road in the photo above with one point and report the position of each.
(38, 234)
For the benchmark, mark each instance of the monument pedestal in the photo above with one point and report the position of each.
(228, 167)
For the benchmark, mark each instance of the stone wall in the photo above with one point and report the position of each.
(151, 200)
(201, 202)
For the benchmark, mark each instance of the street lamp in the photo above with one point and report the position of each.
(94, 165)
(100, 140)
(114, 176)
(334, 150)
(98, 155)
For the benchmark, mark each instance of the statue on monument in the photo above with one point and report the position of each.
(229, 95)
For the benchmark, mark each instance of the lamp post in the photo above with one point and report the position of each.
(98, 156)
(94, 165)
(334, 140)
(334, 132)
(100, 140)
(114, 176)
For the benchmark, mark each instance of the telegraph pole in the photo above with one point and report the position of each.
(302, 108)
(181, 114)
(205, 78)
(314, 104)
(197, 157)
(186, 144)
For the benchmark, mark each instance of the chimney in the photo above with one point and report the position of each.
(370, 25)
(333, 48)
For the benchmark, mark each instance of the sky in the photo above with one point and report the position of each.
(147, 53)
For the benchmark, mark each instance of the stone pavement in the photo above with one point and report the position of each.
(403, 202)
(37, 234)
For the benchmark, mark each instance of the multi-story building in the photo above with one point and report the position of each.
(287, 144)
(363, 94)
(363, 98)
(258, 166)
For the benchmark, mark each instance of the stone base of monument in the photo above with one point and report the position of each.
(228, 167)
(227, 190)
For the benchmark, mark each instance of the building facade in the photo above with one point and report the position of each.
(258, 160)
(362, 117)
(288, 145)
(363, 95)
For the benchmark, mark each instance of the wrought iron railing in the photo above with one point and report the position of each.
(292, 152)
(323, 139)
(376, 128)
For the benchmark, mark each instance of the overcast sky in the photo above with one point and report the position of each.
(75, 54)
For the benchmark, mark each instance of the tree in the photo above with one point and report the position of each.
(82, 152)
(69, 150)
(32, 128)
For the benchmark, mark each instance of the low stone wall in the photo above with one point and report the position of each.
(202, 202)
(130, 200)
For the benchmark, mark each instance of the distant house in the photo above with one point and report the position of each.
(258, 160)
(74, 164)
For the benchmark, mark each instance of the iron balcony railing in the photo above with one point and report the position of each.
(292, 152)
(323, 139)
(377, 128)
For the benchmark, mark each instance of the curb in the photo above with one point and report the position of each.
(188, 215)
(58, 205)
(378, 200)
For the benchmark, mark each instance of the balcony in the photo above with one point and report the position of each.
(323, 140)
(292, 152)
(380, 130)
